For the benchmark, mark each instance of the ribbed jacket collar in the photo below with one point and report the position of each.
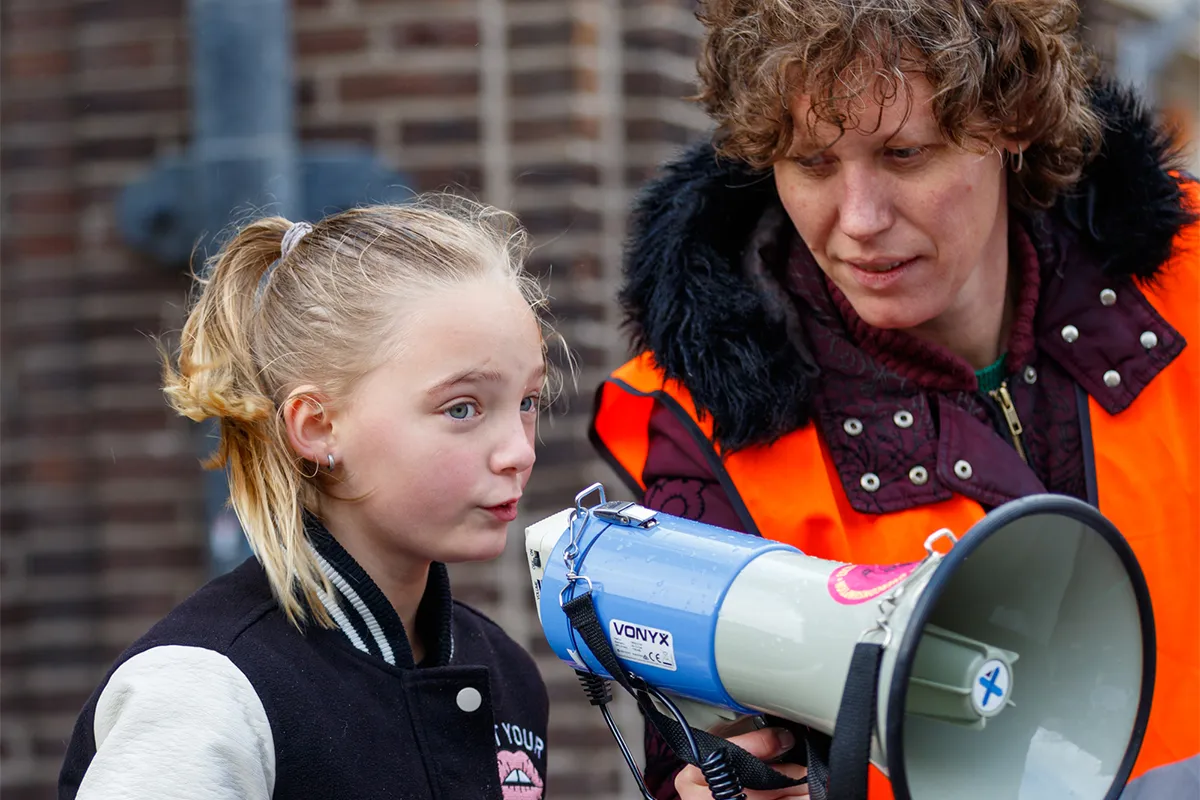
(367, 618)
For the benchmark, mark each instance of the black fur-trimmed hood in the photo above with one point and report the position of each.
(687, 299)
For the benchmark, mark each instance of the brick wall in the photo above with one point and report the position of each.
(554, 108)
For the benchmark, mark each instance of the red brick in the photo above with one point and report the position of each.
(164, 100)
(25, 19)
(41, 246)
(84, 562)
(541, 33)
(435, 33)
(334, 41)
(62, 470)
(23, 66)
(37, 109)
(463, 179)
(337, 132)
(658, 130)
(56, 655)
(544, 81)
(42, 202)
(649, 84)
(554, 129)
(129, 10)
(22, 612)
(545, 175)
(446, 131)
(145, 511)
(121, 55)
(556, 221)
(139, 148)
(382, 85)
(36, 156)
(663, 41)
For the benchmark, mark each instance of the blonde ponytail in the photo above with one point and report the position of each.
(216, 377)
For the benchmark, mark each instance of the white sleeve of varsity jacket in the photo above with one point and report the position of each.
(180, 723)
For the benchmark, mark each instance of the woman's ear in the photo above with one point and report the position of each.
(1015, 153)
(309, 425)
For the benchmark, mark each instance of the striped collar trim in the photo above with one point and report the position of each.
(364, 615)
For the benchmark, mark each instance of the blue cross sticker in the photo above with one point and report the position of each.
(990, 687)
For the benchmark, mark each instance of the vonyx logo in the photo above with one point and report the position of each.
(640, 634)
(642, 644)
(852, 584)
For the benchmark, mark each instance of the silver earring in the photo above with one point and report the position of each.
(331, 462)
(1020, 159)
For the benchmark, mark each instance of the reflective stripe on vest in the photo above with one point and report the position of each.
(1147, 467)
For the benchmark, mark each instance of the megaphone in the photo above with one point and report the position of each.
(1017, 663)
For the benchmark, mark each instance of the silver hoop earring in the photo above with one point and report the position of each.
(1020, 159)
(331, 462)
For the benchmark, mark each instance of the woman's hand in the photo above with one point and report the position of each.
(767, 743)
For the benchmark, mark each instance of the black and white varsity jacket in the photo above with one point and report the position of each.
(225, 699)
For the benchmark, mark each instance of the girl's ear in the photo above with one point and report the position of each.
(309, 425)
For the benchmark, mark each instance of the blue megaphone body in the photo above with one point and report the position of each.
(1017, 664)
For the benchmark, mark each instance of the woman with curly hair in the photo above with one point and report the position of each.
(929, 262)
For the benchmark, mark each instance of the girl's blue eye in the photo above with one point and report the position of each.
(906, 153)
(529, 403)
(461, 411)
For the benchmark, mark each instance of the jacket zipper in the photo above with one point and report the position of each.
(1009, 410)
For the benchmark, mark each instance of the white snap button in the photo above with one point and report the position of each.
(469, 699)
(853, 426)
(1112, 379)
(1149, 340)
(903, 419)
(963, 469)
(1108, 297)
(870, 482)
(1070, 333)
(1030, 375)
(918, 475)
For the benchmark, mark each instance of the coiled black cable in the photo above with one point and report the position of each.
(599, 694)
(722, 780)
(596, 688)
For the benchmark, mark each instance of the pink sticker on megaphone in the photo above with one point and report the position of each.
(851, 584)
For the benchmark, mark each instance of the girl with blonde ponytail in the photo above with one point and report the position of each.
(377, 378)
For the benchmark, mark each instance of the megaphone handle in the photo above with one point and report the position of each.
(694, 746)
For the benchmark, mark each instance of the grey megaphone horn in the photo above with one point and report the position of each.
(1016, 665)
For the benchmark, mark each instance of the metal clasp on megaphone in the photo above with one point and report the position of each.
(579, 517)
(887, 603)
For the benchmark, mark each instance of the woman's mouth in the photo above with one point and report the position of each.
(879, 274)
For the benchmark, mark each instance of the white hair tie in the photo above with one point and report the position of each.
(296, 232)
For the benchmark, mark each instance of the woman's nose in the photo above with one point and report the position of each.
(866, 208)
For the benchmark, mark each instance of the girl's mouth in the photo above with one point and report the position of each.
(505, 512)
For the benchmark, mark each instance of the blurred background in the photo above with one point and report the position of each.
(131, 129)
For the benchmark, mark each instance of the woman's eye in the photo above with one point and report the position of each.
(462, 411)
(529, 403)
(906, 153)
(814, 162)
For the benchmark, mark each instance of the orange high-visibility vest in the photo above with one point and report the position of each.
(1147, 464)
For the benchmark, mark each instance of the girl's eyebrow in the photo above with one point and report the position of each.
(470, 375)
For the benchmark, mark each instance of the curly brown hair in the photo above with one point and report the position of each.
(997, 67)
